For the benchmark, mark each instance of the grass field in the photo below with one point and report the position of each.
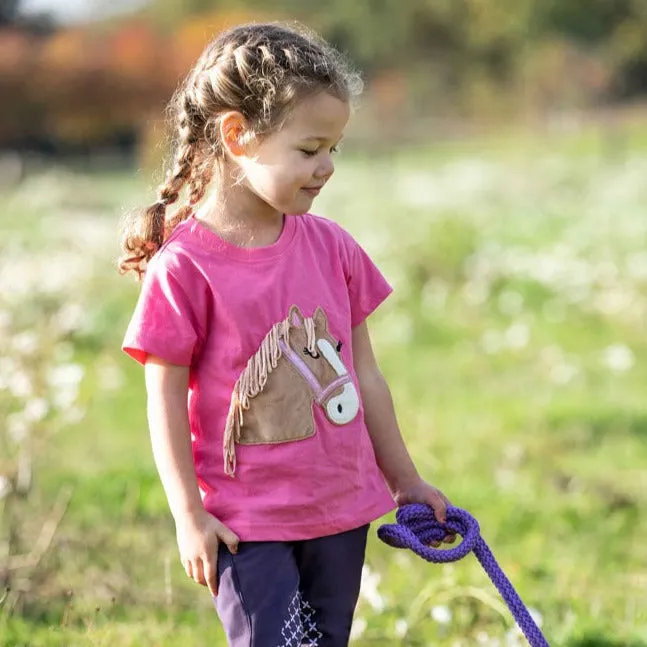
(515, 348)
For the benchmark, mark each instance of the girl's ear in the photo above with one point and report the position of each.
(233, 129)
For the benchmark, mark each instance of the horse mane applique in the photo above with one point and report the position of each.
(297, 364)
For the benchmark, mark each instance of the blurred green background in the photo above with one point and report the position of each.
(496, 170)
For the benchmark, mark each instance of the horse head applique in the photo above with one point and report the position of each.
(297, 364)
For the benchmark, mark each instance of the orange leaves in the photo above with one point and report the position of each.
(65, 51)
(85, 83)
(135, 50)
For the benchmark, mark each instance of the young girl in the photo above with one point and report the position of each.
(272, 427)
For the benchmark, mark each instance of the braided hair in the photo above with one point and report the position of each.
(259, 70)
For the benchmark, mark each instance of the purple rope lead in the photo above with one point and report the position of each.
(416, 527)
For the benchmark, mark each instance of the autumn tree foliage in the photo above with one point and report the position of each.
(88, 85)
(92, 84)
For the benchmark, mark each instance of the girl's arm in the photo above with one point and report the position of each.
(391, 453)
(198, 532)
(167, 387)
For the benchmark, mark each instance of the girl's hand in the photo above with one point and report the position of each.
(422, 492)
(198, 536)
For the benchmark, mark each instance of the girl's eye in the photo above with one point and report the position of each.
(339, 345)
(311, 153)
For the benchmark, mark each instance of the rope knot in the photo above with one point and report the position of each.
(417, 527)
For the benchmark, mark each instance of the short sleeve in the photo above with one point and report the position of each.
(367, 287)
(164, 322)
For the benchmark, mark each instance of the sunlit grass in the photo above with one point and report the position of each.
(514, 346)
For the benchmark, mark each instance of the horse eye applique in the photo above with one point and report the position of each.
(314, 355)
(339, 345)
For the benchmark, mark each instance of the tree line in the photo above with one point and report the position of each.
(109, 81)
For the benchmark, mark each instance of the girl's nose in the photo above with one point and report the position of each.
(326, 168)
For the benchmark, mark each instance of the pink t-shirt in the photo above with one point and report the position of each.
(280, 445)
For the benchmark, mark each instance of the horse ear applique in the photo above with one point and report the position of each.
(295, 317)
(297, 364)
(320, 319)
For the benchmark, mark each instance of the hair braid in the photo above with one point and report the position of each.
(140, 245)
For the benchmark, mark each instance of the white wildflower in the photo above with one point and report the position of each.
(401, 627)
(36, 409)
(483, 638)
(70, 318)
(560, 369)
(17, 427)
(25, 343)
(536, 615)
(618, 358)
(20, 385)
(5, 486)
(358, 628)
(442, 614)
(505, 478)
(614, 301)
(563, 373)
(65, 375)
(491, 342)
(517, 336)
(63, 271)
(545, 268)
(8, 367)
(636, 265)
(513, 638)
(402, 559)
(64, 380)
(369, 589)
(5, 319)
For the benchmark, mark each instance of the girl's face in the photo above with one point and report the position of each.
(288, 168)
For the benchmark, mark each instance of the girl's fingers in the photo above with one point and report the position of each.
(227, 537)
(211, 575)
(188, 567)
(440, 510)
(198, 572)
